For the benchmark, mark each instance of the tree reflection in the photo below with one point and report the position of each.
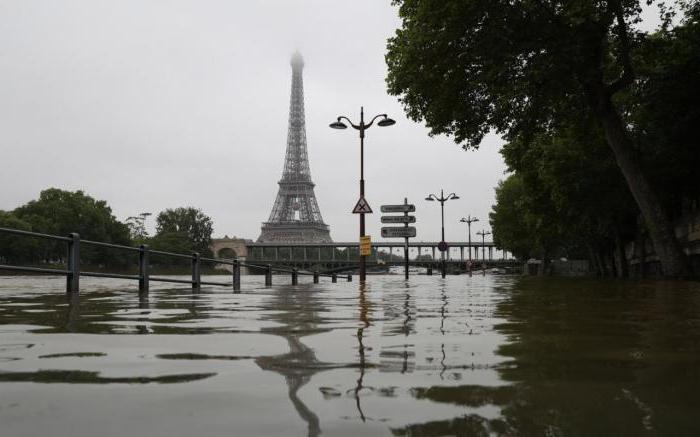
(585, 358)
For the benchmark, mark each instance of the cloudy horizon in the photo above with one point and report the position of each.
(155, 105)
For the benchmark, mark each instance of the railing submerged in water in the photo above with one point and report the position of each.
(73, 273)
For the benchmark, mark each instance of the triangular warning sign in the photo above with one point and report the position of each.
(362, 207)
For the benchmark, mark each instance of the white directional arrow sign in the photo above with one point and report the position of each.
(399, 232)
(398, 208)
(398, 219)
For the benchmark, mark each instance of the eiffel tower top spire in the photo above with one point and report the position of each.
(295, 216)
(296, 163)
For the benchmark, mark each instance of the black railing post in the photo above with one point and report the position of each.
(196, 276)
(443, 267)
(236, 275)
(429, 271)
(349, 278)
(73, 277)
(334, 278)
(316, 276)
(268, 276)
(295, 279)
(143, 268)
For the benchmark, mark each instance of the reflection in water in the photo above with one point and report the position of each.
(72, 312)
(83, 377)
(144, 306)
(443, 316)
(296, 311)
(585, 358)
(399, 308)
(500, 356)
(364, 320)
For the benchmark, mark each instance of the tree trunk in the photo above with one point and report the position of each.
(614, 267)
(673, 261)
(602, 263)
(594, 260)
(620, 256)
(642, 254)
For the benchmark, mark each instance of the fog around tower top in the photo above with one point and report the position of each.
(297, 59)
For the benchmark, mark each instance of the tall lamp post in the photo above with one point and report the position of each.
(442, 199)
(140, 223)
(483, 249)
(469, 220)
(362, 127)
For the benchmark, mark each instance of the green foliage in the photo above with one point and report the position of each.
(510, 221)
(567, 194)
(178, 226)
(16, 249)
(61, 212)
(580, 96)
(664, 112)
(466, 67)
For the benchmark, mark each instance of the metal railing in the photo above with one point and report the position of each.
(73, 273)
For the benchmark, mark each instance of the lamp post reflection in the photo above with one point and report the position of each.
(443, 310)
(364, 319)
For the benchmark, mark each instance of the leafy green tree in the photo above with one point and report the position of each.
(16, 249)
(184, 226)
(467, 67)
(570, 188)
(61, 212)
(664, 113)
(508, 221)
(174, 242)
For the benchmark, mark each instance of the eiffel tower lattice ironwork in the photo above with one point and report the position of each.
(295, 216)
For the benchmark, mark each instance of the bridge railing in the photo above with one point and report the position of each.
(73, 272)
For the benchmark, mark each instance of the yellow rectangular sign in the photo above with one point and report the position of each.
(365, 246)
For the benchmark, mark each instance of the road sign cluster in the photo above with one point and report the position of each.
(404, 231)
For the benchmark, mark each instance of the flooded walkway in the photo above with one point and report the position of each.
(492, 355)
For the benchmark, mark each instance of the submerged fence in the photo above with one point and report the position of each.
(73, 273)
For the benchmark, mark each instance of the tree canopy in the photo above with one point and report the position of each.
(180, 227)
(61, 212)
(530, 70)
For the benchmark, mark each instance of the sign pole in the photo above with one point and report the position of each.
(404, 231)
(363, 259)
(405, 248)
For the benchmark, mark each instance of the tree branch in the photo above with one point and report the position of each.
(621, 29)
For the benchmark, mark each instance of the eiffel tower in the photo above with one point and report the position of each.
(295, 216)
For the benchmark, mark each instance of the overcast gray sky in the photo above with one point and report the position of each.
(159, 104)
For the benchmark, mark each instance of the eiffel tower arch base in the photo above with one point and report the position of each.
(294, 233)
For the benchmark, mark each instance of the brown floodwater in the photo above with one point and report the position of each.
(486, 355)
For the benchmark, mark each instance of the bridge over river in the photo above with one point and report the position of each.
(345, 255)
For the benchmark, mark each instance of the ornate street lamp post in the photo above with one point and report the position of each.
(469, 220)
(362, 127)
(483, 250)
(442, 199)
